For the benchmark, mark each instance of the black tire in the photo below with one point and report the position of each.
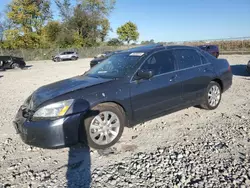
(74, 58)
(217, 55)
(95, 111)
(205, 103)
(58, 59)
(15, 66)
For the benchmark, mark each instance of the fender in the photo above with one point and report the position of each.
(79, 106)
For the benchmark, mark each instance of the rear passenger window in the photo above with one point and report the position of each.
(203, 60)
(187, 58)
(160, 62)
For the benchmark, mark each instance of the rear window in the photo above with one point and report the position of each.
(208, 56)
(187, 58)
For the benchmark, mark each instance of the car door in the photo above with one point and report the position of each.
(193, 77)
(159, 93)
(63, 55)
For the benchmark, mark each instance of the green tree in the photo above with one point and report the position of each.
(28, 18)
(128, 32)
(114, 42)
(52, 29)
(148, 42)
(105, 28)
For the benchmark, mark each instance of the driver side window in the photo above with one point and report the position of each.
(160, 63)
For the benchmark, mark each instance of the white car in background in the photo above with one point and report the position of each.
(67, 55)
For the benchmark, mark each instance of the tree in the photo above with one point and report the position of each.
(114, 42)
(65, 9)
(148, 42)
(29, 15)
(28, 18)
(105, 27)
(88, 18)
(128, 32)
(52, 29)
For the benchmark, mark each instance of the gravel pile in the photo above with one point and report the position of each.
(218, 158)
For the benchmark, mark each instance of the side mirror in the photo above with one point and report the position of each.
(143, 74)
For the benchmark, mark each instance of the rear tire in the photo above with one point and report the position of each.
(217, 55)
(15, 66)
(212, 97)
(74, 58)
(101, 132)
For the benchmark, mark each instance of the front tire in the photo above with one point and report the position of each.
(58, 59)
(212, 97)
(104, 125)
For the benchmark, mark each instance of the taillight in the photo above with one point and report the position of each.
(229, 68)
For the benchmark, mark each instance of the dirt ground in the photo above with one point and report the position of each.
(25, 166)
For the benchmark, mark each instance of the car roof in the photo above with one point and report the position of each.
(144, 49)
(156, 47)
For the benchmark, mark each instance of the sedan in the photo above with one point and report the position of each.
(127, 88)
(11, 62)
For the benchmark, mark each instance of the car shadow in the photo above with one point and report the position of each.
(1, 76)
(79, 160)
(27, 67)
(79, 167)
(239, 70)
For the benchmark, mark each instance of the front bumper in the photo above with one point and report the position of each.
(48, 134)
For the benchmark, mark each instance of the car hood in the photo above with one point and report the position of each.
(62, 87)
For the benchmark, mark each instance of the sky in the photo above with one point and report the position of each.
(180, 20)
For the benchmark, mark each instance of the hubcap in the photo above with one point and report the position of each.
(214, 96)
(104, 128)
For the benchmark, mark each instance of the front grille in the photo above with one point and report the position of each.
(27, 113)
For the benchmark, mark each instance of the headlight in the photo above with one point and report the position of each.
(54, 110)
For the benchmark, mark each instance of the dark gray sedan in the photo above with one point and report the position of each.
(127, 88)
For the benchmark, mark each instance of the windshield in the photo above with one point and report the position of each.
(116, 66)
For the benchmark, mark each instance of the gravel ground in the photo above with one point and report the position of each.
(189, 148)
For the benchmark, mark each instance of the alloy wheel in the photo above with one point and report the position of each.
(104, 128)
(214, 96)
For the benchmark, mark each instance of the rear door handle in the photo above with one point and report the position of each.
(173, 78)
(207, 70)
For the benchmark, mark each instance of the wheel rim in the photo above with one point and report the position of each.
(104, 128)
(15, 65)
(214, 96)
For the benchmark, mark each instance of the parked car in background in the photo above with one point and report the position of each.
(212, 49)
(11, 62)
(98, 60)
(248, 66)
(127, 88)
(68, 55)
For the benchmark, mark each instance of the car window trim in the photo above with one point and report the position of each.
(144, 61)
(176, 71)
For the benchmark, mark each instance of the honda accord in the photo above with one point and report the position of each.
(127, 88)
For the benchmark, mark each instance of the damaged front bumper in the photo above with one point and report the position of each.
(58, 133)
